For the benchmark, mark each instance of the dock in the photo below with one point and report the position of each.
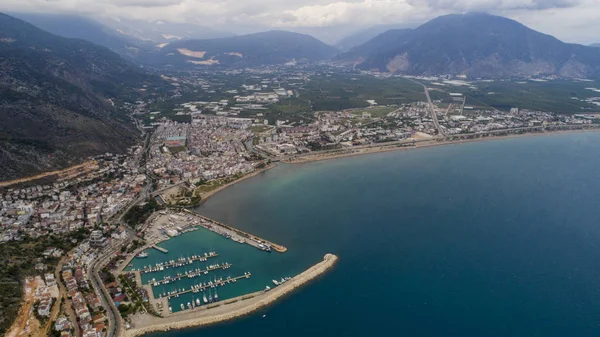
(160, 249)
(192, 274)
(248, 238)
(176, 263)
(201, 288)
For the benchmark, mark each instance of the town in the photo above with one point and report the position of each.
(191, 149)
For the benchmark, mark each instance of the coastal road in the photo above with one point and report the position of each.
(114, 318)
(431, 109)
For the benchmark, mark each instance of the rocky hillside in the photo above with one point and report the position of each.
(54, 99)
(477, 45)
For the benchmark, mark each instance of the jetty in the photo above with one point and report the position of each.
(212, 284)
(226, 309)
(190, 274)
(184, 261)
(160, 249)
(237, 235)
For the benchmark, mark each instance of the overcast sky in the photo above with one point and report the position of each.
(569, 20)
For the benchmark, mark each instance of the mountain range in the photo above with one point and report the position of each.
(266, 48)
(54, 99)
(79, 27)
(56, 83)
(476, 45)
(362, 36)
(158, 32)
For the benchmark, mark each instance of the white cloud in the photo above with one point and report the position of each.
(570, 20)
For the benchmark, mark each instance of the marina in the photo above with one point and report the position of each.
(189, 274)
(182, 261)
(235, 234)
(206, 285)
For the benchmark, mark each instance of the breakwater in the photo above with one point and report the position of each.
(232, 308)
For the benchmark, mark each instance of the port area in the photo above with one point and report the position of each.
(166, 224)
(234, 233)
(226, 309)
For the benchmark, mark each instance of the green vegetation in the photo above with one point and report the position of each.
(344, 91)
(560, 96)
(18, 260)
(139, 214)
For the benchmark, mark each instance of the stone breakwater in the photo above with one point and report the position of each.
(233, 308)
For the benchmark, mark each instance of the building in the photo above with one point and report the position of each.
(97, 239)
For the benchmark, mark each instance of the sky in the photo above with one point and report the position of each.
(576, 21)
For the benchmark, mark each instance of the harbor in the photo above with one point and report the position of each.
(180, 270)
(189, 274)
(176, 263)
(168, 224)
(205, 286)
(223, 310)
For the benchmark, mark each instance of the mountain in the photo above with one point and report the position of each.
(383, 42)
(477, 45)
(159, 32)
(54, 99)
(73, 26)
(267, 48)
(363, 36)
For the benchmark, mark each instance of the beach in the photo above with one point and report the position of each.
(231, 308)
(420, 143)
(207, 195)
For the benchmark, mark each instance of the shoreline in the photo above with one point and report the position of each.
(236, 307)
(419, 144)
(209, 194)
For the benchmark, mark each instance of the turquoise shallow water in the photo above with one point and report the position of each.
(497, 238)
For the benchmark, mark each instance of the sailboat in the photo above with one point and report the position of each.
(204, 298)
(216, 295)
(210, 298)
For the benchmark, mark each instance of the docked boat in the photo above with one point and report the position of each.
(142, 255)
(197, 301)
(204, 299)
(216, 298)
(182, 307)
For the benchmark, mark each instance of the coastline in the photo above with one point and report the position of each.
(232, 308)
(425, 144)
(207, 195)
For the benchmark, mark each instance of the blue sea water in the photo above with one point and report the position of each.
(497, 238)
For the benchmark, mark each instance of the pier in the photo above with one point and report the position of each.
(160, 249)
(211, 284)
(247, 238)
(192, 274)
(176, 263)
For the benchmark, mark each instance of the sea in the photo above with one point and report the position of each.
(495, 238)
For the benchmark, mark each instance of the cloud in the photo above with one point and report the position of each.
(496, 5)
(564, 18)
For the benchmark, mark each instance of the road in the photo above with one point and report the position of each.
(114, 318)
(431, 109)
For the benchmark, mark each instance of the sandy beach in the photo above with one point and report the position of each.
(421, 143)
(228, 309)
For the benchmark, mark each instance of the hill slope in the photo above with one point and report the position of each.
(157, 32)
(362, 36)
(78, 27)
(53, 109)
(273, 47)
(479, 45)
